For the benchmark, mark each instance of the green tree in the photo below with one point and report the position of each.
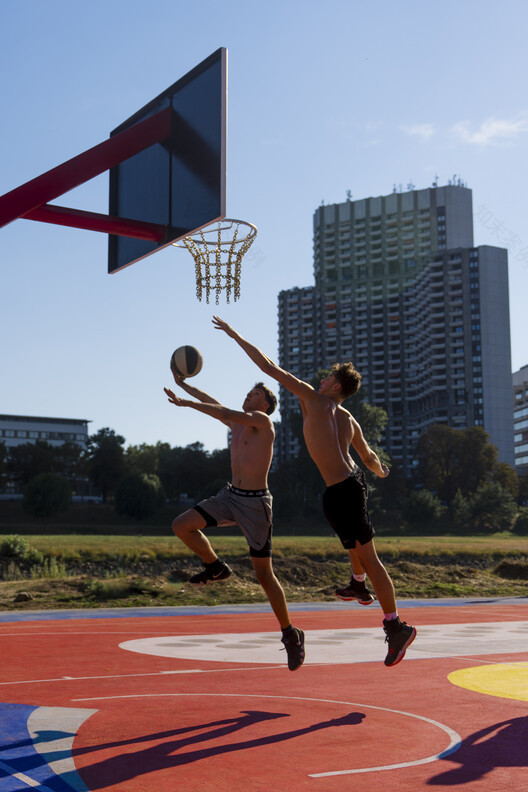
(521, 523)
(454, 459)
(422, 510)
(105, 456)
(392, 490)
(523, 489)
(508, 478)
(477, 458)
(493, 509)
(145, 458)
(139, 495)
(191, 470)
(373, 421)
(46, 495)
(460, 511)
(69, 460)
(29, 460)
(218, 469)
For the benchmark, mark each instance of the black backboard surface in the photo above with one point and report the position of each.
(180, 183)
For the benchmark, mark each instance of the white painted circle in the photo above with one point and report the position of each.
(454, 737)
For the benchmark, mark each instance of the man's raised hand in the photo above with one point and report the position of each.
(221, 325)
(173, 398)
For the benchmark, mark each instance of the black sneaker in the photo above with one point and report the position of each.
(208, 576)
(294, 646)
(355, 590)
(400, 636)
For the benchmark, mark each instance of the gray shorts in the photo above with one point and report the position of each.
(251, 510)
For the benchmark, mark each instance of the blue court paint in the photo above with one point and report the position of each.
(21, 765)
(211, 610)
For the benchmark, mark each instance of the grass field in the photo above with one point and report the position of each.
(72, 546)
(72, 571)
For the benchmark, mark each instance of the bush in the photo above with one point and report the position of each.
(422, 509)
(47, 494)
(521, 523)
(460, 511)
(15, 549)
(139, 496)
(493, 509)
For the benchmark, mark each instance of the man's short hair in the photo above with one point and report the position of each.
(270, 397)
(348, 378)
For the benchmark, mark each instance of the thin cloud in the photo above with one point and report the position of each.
(491, 132)
(424, 131)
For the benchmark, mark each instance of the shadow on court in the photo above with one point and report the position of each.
(504, 744)
(174, 747)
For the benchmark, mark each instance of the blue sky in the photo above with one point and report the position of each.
(323, 98)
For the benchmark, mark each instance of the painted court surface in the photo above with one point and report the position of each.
(164, 699)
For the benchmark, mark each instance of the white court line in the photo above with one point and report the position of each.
(454, 745)
(23, 778)
(153, 673)
(235, 669)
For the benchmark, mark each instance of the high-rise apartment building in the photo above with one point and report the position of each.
(299, 350)
(424, 315)
(520, 419)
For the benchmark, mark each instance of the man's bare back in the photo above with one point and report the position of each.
(322, 436)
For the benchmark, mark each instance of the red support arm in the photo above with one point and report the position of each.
(33, 194)
(92, 221)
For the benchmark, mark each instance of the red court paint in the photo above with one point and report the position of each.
(170, 723)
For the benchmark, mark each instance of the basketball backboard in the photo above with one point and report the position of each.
(167, 171)
(179, 183)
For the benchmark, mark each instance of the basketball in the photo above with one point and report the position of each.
(186, 361)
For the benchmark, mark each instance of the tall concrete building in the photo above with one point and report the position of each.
(299, 350)
(401, 291)
(520, 419)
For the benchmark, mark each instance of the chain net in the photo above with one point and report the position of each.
(218, 251)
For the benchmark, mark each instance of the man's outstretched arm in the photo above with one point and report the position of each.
(221, 413)
(265, 364)
(192, 391)
(368, 456)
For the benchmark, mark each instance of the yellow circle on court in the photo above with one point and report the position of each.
(507, 680)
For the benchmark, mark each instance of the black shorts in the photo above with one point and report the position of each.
(345, 508)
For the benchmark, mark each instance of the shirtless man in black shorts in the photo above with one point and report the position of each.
(245, 502)
(329, 430)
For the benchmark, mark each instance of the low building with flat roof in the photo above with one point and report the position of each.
(16, 430)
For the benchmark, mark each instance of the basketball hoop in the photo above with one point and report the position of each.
(218, 251)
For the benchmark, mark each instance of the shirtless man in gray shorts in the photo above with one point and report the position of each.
(245, 502)
(329, 430)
